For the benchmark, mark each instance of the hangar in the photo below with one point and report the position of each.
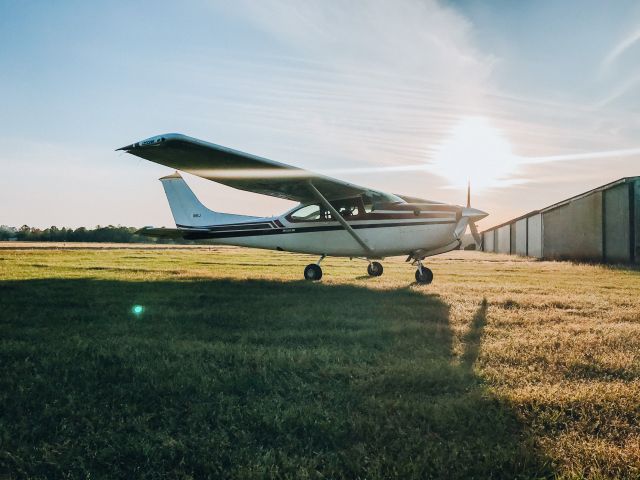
(602, 224)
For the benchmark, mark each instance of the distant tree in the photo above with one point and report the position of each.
(51, 234)
(7, 233)
(108, 234)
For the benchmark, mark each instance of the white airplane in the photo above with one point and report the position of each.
(333, 218)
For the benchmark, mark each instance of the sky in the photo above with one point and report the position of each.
(532, 102)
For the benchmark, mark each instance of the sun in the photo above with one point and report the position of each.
(476, 151)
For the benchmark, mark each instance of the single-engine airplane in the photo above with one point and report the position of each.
(333, 218)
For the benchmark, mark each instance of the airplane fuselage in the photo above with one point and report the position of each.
(386, 233)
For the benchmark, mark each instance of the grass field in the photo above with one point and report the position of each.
(502, 368)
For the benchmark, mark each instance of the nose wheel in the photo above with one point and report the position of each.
(375, 269)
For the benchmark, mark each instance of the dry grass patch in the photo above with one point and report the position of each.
(503, 367)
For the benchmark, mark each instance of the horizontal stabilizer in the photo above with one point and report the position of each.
(162, 232)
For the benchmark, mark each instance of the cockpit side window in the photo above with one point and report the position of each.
(348, 211)
(350, 208)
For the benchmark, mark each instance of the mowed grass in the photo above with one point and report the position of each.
(502, 368)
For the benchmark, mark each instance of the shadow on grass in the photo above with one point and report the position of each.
(625, 267)
(609, 264)
(245, 379)
(473, 337)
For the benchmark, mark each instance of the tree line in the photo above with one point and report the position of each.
(108, 234)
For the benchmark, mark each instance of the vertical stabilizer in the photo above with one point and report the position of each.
(188, 211)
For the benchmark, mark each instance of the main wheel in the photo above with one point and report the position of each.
(312, 272)
(375, 269)
(425, 276)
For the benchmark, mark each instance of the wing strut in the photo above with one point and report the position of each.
(339, 218)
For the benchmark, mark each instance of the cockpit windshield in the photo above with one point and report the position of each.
(308, 213)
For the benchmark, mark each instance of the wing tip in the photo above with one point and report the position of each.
(173, 175)
(153, 141)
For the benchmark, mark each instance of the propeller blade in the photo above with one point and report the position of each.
(474, 232)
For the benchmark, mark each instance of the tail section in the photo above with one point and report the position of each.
(188, 211)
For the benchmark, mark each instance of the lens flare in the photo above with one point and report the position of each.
(137, 310)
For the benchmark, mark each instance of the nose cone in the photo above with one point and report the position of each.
(473, 214)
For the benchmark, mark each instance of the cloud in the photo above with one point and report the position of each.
(376, 82)
(382, 83)
(359, 88)
(620, 49)
(621, 90)
(406, 37)
(629, 152)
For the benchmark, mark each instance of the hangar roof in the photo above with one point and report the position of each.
(565, 202)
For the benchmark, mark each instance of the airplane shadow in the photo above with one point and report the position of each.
(227, 378)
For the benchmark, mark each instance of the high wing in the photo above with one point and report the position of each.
(245, 171)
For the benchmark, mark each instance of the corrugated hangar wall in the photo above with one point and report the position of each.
(602, 224)
(635, 216)
(616, 226)
(574, 230)
(534, 235)
(504, 239)
(521, 237)
(487, 241)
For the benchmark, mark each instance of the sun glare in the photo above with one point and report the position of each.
(475, 151)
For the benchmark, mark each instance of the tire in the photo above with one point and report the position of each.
(312, 272)
(375, 269)
(425, 277)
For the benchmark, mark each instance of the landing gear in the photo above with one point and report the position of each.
(313, 271)
(424, 275)
(375, 269)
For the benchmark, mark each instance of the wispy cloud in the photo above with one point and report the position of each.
(629, 82)
(620, 48)
(378, 84)
(383, 85)
(619, 91)
(629, 152)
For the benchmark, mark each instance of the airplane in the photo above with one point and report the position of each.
(332, 218)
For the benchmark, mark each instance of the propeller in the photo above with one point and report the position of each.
(472, 216)
(474, 232)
